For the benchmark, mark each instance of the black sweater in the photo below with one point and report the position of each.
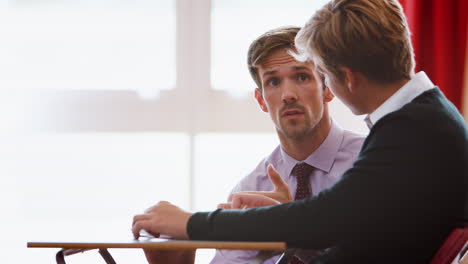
(403, 195)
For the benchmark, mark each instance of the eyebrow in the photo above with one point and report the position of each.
(296, 68)
(302, 68)
(269, 73)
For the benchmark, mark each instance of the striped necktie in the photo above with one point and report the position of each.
(302, 173)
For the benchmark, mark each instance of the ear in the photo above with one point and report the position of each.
(350, 79)
(260, 101)
(328, 95)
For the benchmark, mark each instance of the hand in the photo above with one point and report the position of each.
(279, 194)
(163, 218)
(250, 200)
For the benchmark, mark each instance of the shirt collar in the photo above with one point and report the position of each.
(323, 157)
(412, 89)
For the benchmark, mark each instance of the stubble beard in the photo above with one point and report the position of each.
(296, 129)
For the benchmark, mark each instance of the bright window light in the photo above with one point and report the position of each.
(103, 45)
(85, 186)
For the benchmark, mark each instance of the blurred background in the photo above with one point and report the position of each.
(109, 106)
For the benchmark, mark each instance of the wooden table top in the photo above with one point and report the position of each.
(160, 243)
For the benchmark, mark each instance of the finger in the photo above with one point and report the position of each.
(235, 193)
(275, 178)
(264, 193)
(136, 228)
(139, 225)
(247, 200)
(147, 233)
(140, 217)
(237, 202)
(225, 205)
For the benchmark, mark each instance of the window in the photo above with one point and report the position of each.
(104, 45)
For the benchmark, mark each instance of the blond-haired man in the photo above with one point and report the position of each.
(408, 187)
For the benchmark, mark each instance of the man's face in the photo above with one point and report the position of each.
(292, 93)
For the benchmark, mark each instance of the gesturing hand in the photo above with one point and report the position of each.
(279, 194)
(163, 218)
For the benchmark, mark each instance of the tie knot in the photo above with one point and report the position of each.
(302, 170)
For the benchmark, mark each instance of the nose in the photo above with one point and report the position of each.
(289, 92)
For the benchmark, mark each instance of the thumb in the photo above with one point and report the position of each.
(276, 179)
(225, 205)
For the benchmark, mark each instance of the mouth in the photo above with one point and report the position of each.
(292, 113)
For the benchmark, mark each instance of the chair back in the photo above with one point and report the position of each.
(452, 246)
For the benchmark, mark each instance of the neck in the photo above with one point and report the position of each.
(300, 149)
(376, 94)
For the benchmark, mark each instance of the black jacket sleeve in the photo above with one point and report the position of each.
(405, 188)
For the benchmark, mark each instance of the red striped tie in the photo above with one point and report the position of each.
(302, 172)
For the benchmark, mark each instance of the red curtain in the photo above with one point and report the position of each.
(439, 35)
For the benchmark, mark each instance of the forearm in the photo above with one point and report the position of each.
(274, 223)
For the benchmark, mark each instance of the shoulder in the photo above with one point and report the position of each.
(421, 124)
(346, 154)
(428, 115)
(352, 142)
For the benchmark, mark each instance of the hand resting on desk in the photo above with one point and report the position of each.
(162, 219)
(167, 219)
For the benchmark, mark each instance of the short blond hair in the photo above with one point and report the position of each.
(266, 44)
(368, 36)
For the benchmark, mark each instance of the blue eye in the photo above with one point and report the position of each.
(302, 77)
(273, 82)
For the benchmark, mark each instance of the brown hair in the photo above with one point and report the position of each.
(264, 45)
(368, 36)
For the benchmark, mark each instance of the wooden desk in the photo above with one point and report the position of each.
(72, 247)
